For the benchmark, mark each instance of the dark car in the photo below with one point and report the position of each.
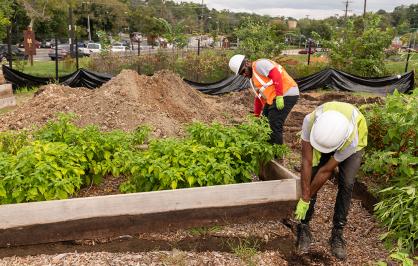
(63, 51)
(17, 54)
(306, 51)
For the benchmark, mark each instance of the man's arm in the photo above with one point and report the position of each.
(258, 106)
(306, 170)
(322, 175)
(276, 76)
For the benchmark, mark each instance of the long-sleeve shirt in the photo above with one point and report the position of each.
(265, 67)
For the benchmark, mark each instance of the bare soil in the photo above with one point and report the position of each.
(166, 103)
(162, 101)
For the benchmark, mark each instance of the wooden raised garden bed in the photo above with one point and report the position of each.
(107, 216)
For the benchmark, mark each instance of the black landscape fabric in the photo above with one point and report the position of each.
(328, 78)
(80, 78)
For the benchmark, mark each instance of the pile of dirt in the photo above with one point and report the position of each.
(162, 101)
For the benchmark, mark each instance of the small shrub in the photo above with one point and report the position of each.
(392, 159)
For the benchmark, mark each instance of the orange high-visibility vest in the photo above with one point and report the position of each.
(264, 88)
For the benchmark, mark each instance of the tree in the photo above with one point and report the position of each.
(360, 49)
(307, 26)
(174, 34)
(5, 11)
(257, 40)
(37, 9)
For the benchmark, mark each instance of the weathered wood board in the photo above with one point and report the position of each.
(106, 216)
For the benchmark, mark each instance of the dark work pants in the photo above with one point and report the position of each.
(346, 177)
(278, 117)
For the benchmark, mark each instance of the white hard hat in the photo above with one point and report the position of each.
(329, 131)
(235, 63)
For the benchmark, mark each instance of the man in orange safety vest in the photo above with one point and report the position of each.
(275, 91)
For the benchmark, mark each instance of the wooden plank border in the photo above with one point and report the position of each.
(105, 216)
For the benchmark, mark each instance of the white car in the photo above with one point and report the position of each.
(91, 49)
(119, 48)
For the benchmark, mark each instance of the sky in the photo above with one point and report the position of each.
(317, 9)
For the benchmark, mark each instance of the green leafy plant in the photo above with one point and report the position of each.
(56, 160)
(211, 155)
(59, 158)
(359, 47)
(392, 160)
(257, 40)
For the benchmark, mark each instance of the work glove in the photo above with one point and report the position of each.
(301, 209)
(279, 102)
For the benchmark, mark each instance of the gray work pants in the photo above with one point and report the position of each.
(346, 177)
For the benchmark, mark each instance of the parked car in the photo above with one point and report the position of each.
(81, 44)
(63, 51)
(17, 54)
(91, 48)
(49, 43)
(119, 47)
(305, 51)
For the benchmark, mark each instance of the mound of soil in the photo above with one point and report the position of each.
(162, 101)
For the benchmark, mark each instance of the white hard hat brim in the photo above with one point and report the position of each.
(323, 149)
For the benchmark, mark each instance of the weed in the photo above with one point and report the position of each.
(245, 249)
(204, 231)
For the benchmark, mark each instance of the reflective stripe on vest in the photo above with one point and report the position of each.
(265, 88)
(264, 85)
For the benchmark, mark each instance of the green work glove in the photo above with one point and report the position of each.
(279, 102)
(301, 209)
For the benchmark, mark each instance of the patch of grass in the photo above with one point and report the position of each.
(398, 67)
(204, 231)
(245, 249)
(24, 90)
(47, 68)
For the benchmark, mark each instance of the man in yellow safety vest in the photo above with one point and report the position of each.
(332, 135)
(275, 91)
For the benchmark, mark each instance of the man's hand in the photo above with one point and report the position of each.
(279, 102)
(301, 209)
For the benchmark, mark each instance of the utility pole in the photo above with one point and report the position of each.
(364, 10)
(88, 26)
(9, 45)
(346, 8)
(71, 29)
(199, 41)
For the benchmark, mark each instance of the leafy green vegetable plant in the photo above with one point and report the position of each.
(392, 159)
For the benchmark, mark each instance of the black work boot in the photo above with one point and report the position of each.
(337, 243)
(304, 238)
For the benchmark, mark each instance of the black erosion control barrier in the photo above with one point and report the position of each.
(80, 78)
(328, 78)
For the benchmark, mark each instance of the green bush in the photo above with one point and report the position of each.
(392, 160)
(211, 155)
(359, 48)
(258, 40)
(55, 161)
(209, 66)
